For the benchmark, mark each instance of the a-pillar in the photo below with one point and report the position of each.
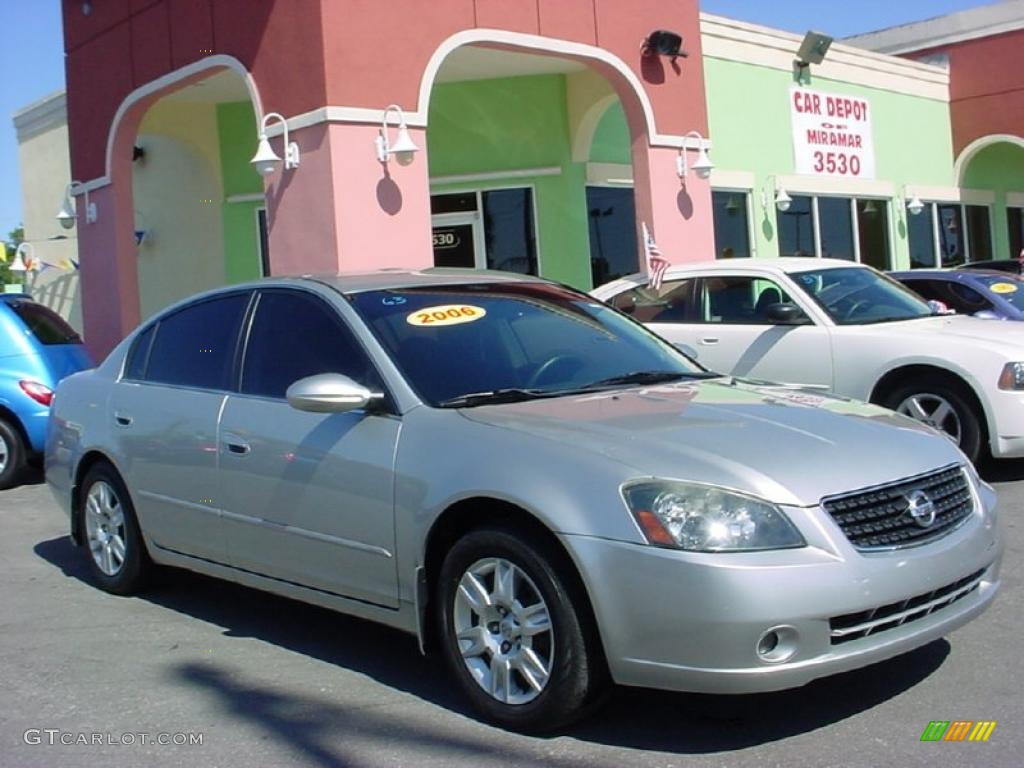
(678, 213)
(342, 210)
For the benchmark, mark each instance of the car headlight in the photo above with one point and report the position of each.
(705, 518)
(1012, 376)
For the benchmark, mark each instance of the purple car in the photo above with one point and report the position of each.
(984, 293)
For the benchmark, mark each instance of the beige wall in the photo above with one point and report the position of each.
(45, 173)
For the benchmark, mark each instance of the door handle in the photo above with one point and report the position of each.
(236, 445)
(122, 419)
(708, 341)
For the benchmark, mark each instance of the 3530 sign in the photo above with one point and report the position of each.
(831, 134)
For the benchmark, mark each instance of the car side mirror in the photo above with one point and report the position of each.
(783, 313)
(329, 393)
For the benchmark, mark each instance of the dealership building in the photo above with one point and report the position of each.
(535, 136)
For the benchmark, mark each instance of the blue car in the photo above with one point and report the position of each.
(37, 350)
(985, 293)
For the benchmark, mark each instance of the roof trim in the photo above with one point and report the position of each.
(40, 116)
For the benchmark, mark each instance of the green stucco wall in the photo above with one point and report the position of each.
(750, 127)
(611, 137)
(511, 124)
(236, 129)
(1000, 168)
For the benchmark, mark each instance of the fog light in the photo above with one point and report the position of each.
(777, 644)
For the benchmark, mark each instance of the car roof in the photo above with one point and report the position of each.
(392, 279)
(785, 264)
(970, 275)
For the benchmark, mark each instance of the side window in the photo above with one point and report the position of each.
(295, 335)
(966, 300)
(195, 347)
(739, 300)
(673, 302)
(138, 355)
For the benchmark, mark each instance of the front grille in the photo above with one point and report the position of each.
(878, 519)
(853, 626)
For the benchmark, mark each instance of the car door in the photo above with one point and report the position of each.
(308, 497)
(670, 310)
(164, 413)
(736, 335)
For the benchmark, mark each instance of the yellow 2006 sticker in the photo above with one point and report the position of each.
(446, 314)
(1004, 288)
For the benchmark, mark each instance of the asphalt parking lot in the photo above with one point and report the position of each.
(270, 682)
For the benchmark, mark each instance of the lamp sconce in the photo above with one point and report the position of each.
(18, 264)
(812, 51)
(664, 42)
(68, 215)
(779, 197)
(404, 149)
(265, 160)
(914, 204)
(702, 166)
(138, 153)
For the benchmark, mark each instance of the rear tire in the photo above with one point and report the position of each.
(525, 657)
(12, 455)
(942, 405)
(110, 531)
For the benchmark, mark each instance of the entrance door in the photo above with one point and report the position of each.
(457, 242)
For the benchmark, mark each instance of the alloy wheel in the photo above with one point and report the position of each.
(4, 453)
(104, 528)
(935, 411)
(504, 633)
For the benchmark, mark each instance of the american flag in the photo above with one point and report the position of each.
(656, 263)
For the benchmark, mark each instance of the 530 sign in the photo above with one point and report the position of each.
(837, 163)
(831, 134)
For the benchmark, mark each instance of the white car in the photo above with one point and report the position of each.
(843, 327)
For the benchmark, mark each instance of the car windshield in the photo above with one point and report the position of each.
(1008, 287)
(858, 296)
(464, 345)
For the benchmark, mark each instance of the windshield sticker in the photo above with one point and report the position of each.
(446, 314)
(393, 301)
(1003, 288)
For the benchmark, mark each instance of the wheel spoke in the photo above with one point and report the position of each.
(915, 409)
(941, 413)
(532, 669)
(472, 590)
(535, 620)
(477, 637)
(108, 559)
(501, 677)
(116, 517)
(92, 506)
(117, 549)
(504, 582)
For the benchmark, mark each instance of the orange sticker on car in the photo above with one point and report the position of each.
(1003, 288)
(446, 314)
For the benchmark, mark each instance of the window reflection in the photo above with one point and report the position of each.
(732, 227)
(796, 228)
(612, 220)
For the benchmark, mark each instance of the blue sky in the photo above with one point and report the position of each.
(33, 60)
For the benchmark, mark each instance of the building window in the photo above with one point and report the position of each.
(732, 224)
(264, 240)
(612, 220)
(949, 234)
(855, 229)
(491, 229)
(1015, 221)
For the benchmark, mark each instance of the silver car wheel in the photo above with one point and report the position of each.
(503, 628)
(104, 528)
(935, 411)
(4, 453)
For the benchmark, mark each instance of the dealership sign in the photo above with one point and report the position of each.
(831, 134)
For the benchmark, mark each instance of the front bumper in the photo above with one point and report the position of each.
(1007, 424)
(692, 621)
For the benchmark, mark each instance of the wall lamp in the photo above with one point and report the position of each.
(781, 199)
(265, 160)
(702, 166)
(663, 42)
(404, 149)
(812, 51)
(18, 264)
(915, 206)
(67, 215)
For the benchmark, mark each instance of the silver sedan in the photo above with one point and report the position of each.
(545, 493)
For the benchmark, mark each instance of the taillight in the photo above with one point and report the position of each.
(41, 393)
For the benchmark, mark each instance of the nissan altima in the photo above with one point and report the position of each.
(548, 495)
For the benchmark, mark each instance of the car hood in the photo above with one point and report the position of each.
(975, 331)
(784, 444)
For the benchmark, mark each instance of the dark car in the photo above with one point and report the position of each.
(1014, 266)
(984, 293)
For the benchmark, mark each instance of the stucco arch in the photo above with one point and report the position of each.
(969, 152)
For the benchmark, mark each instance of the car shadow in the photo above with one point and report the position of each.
(631, 718)
(1001, 470)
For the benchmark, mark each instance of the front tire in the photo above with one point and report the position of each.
(117, 554)
(945, 407)
(523, 655)
(12, 455)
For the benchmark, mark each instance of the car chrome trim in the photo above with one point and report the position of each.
(306, 533)
(178, 502)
